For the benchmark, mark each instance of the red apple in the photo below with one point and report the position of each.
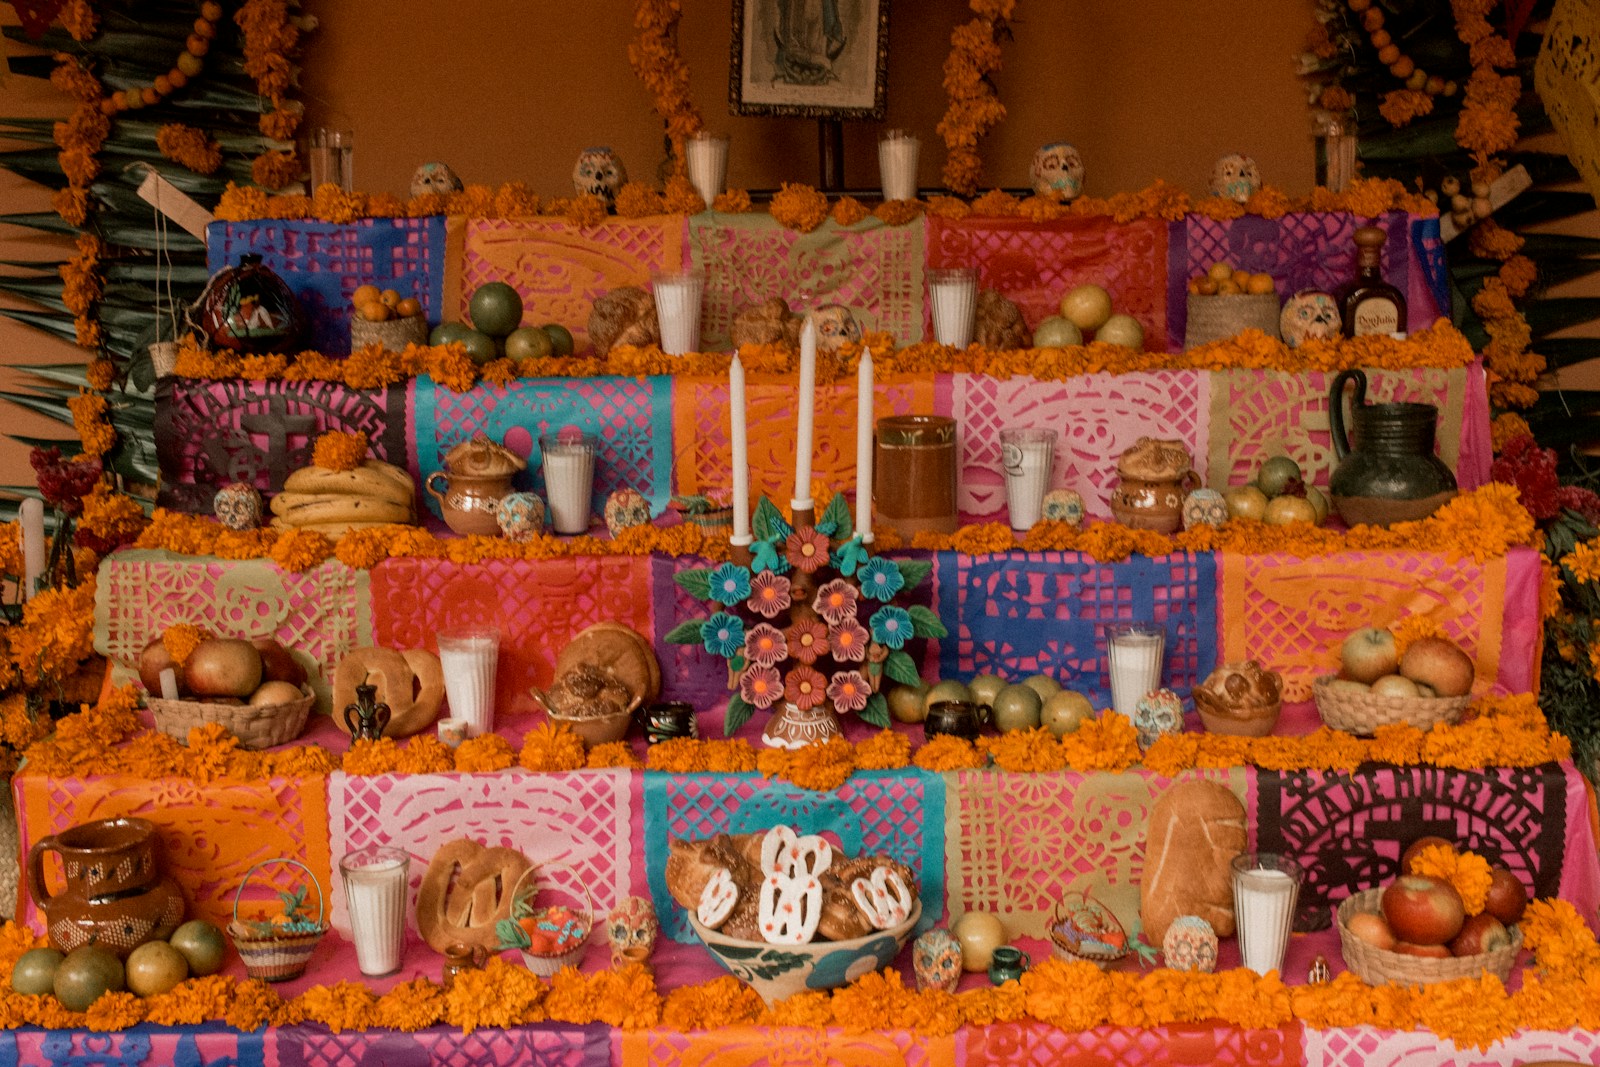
(1371, 929)
(1439, 663)
(1507, 898)
(1417, 846)
(277, 663)
(222, 667)
(1479, 934)
(1368, 654)
(1436, 952)
(1423, 910)
(154, 659)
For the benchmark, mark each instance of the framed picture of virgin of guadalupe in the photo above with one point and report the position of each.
(816, 59)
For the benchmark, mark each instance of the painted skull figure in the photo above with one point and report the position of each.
(1057, 172)
(633, 929)
(599, 172)
(434, 178)
(625, 509)
(1157, 713)
(1309, 315)
(936, 959)
(1204, 507)
(1190, 945)
(238, 506)
(836, 324)
(1236, 177)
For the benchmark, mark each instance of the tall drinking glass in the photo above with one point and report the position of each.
(678, 296)
(897, 164)
(375, 894)
(1135, 656)
(953, 294)
(568, 479)
(468, 657)
(706, 156)
(1265, 888)
(1027, 456)
(332, 159)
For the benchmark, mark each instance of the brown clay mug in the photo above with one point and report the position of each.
(116, 895)
(959, 718)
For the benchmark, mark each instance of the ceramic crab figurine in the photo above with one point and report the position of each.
(1236, 178)
(434, 178)
(1057, 172)
(599, 172)
(836, 324)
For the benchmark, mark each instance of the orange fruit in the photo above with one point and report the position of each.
(1261, 284)
(408, 307)
(1219, 271)
(1194, 285)
(1241, 278)
(363, 294)
(1206, 287)
(374, 311)
(390, 297)
(1228, 287)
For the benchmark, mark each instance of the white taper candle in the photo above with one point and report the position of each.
(864, 447)
(741, 453)
(808, 414)
(32, 515)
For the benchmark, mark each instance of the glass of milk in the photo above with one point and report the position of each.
(706, 155)
(1265, 888)
(897, 164)
(1027, 456)
(678, 296)
(1134, 654)
(953, 295)
(375, 888)
(568, 479)
(467, 657)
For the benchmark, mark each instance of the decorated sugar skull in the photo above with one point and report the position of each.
(1309, 315)
(936, 958)
(1157, 713)
(1236, 177)
(521, 516)
(1204, 507)
(599, 172)
(434, 178)
(1057, 172)
(625, 509)
(238, 506)
(1063, 505)
(633, 929)
(836, 324)
(1190, 945)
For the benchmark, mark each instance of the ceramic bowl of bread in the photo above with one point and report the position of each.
(786, 912)
(1240, 699)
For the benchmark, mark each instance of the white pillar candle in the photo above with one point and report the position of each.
(169, 684)
(707, 157)
(864, 447)
(741, 453)
(808, 413)
(32, 515)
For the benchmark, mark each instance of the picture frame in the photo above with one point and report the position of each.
(814, 59)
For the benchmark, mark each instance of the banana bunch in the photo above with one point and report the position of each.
(335, 502)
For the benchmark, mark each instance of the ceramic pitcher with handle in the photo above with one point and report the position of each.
(115, 895)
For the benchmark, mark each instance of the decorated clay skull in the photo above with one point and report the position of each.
(521, 516)
(1204, 507)
(599, 172)
(1190, 945)
(1157, 713)
(936, 958)
(238, 506)
(1235, 177)
(1309, 315)
(1057, 172)
(633, 929)
(434, 178)
(1063, 505)
(625, 509)
(836, 324)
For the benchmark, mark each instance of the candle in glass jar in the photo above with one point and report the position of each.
(808, 410)
(741, 453)
(864, 447)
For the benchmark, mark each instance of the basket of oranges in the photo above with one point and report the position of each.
(383, 317)
(1224, 302)
(278, 949)
(549, 936)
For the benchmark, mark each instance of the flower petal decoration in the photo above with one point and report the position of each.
(848, 641)
(723, 634)
(808, 640)
(807, 550)
(769, 595)
(804, 687)
(730, 584)
(891, 626)
(836, 601)
(761, 686)
(880, 579)
(765, 645)
(849, 691)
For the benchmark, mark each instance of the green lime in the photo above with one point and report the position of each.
(560, 337)
(529, 342)
(984, 687)
(201, 944)
(906, 703)
(1065, 712)
(1016, 707)
(951, 690)
(35, 971)
(446, 332)
(1043, 684)
(1276, 474)
(85, 975)
(496, 309)
(481, 347)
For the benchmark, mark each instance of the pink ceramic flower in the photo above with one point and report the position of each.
(849, 691)
(836, 601)
(804, 688)
(808, 640)
(806, 550)
(760, 686)
(848, 641)
(769, 594)
(764, 645)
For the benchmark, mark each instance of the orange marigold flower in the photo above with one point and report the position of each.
(181, 639)
(189, 147)
(1468, 872)
(848, 211)
(946, 752)
(732, 202)
(338, 451)
(274, 170)
(637, 200)
(552, 747)
(1401, 106)
(798, 207)
(1336, 98)
(491, 752)
(1518, 274)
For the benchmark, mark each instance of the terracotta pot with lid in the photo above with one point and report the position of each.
(477, 476)
(1154, 477)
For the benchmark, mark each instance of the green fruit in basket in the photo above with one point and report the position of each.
(448, 332)
(88, 973)
(35, 971)
(155, 967)
(481, 347)
(1276, 474)
(560, 337)
(1016, 707)
(496, 309)
(984, 687)
(201, 944)
(529, 342)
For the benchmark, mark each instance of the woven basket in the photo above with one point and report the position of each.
(256, 726)
(715, 521)
(1374, 965)
(1215, 318)
(548, 965)
(392, 334)
(1361, 712)
(1066, 948)
(276, 957)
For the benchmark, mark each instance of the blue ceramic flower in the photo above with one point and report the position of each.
(880, 579)
(730, 584)
(840, 968)
(891, 626)
(849, 556)
(723, 634)
(767, 556)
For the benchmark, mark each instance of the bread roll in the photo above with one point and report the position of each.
(1196, 828)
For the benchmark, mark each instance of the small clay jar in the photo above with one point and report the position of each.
(477, 476)
(1154, 477)
(1007, 965)
(959, 718)
(460, 958)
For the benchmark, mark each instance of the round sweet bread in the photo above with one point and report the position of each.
(620, 649)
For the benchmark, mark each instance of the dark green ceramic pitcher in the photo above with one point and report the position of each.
(1386, 471)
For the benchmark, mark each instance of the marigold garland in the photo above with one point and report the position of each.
(654, 57)
(1468, 872)
(89, 419)
(974, 107)
(189, 147)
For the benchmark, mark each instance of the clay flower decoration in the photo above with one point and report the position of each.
(723, 634)
(765, 645)
(804, 687)
(769, 595)
(808, 639)
(730, 584)
(891, 626)
(849, 691)
(848, 641)
(881, 580)
(761, 687)
(807, 550)
(836, 602)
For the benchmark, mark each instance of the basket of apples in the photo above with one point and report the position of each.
(1417, 929)
(1431, 682)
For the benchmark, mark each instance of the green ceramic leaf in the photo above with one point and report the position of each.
(739, 713)
(768, 523)
(914, 571)
(511, 934)
(877, 711)
(696, 582)
(686, 633)
(836, 518)
(924, 623)
(902, 668)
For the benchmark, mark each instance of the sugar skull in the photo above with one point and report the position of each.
(238, 506)
(1057, 172)
(434, 178)
(1309, 315)
(521, 516)
(1204, 507)
(599, 172)
(936, 958)
(1235, 178)
(625, 509)
(633, 929)
(1063, 505)
(1157, 713)
(836, 324)
(1190, 945)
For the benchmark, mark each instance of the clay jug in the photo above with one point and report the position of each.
(477, 476)
(1153, 479)
(1386, 471)
(116, 895)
